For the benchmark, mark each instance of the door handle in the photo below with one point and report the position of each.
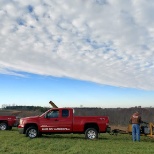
(56, 120)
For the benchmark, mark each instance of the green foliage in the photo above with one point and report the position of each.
(12, 142)
(29, 108)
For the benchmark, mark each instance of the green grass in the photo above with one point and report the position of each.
(11, 142)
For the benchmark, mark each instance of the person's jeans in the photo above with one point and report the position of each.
(136, 132)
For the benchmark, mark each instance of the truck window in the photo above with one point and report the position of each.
(65, 113)
(53, 114)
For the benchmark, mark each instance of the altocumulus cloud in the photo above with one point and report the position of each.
(104, 41)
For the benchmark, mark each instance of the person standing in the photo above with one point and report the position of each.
(135, 121)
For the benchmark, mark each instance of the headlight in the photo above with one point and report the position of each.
(21, 121)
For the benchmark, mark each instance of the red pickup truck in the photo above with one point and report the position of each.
(7, 122)
(62, 120)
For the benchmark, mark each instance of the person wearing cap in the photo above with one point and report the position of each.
(135, 120)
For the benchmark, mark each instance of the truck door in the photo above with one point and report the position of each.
(56, 121)
(65, 120)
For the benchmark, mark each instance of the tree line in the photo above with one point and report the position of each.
(117, 116)
(25, 108)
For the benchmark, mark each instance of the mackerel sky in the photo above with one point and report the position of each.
(79, 52)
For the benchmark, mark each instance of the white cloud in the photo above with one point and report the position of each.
(103, 41)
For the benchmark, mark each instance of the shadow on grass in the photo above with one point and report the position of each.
(128, 137)
(79, 137)
(71, 136)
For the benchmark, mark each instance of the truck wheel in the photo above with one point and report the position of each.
(91, 133)
(32, 132)
(3, 126)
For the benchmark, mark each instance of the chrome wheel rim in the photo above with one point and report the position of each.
(32, 133)
(91, 134)
(2, 127)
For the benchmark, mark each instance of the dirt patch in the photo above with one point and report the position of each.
(123, 128)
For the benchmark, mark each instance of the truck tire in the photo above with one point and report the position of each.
(3, 126)
(32, 132)
(10, 128)
(39, 135)
(91, 134)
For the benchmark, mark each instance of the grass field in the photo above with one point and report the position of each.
(11, 142)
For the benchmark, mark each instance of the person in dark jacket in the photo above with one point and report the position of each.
(135, 120)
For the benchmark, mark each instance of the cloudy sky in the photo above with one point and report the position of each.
(80, 52)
